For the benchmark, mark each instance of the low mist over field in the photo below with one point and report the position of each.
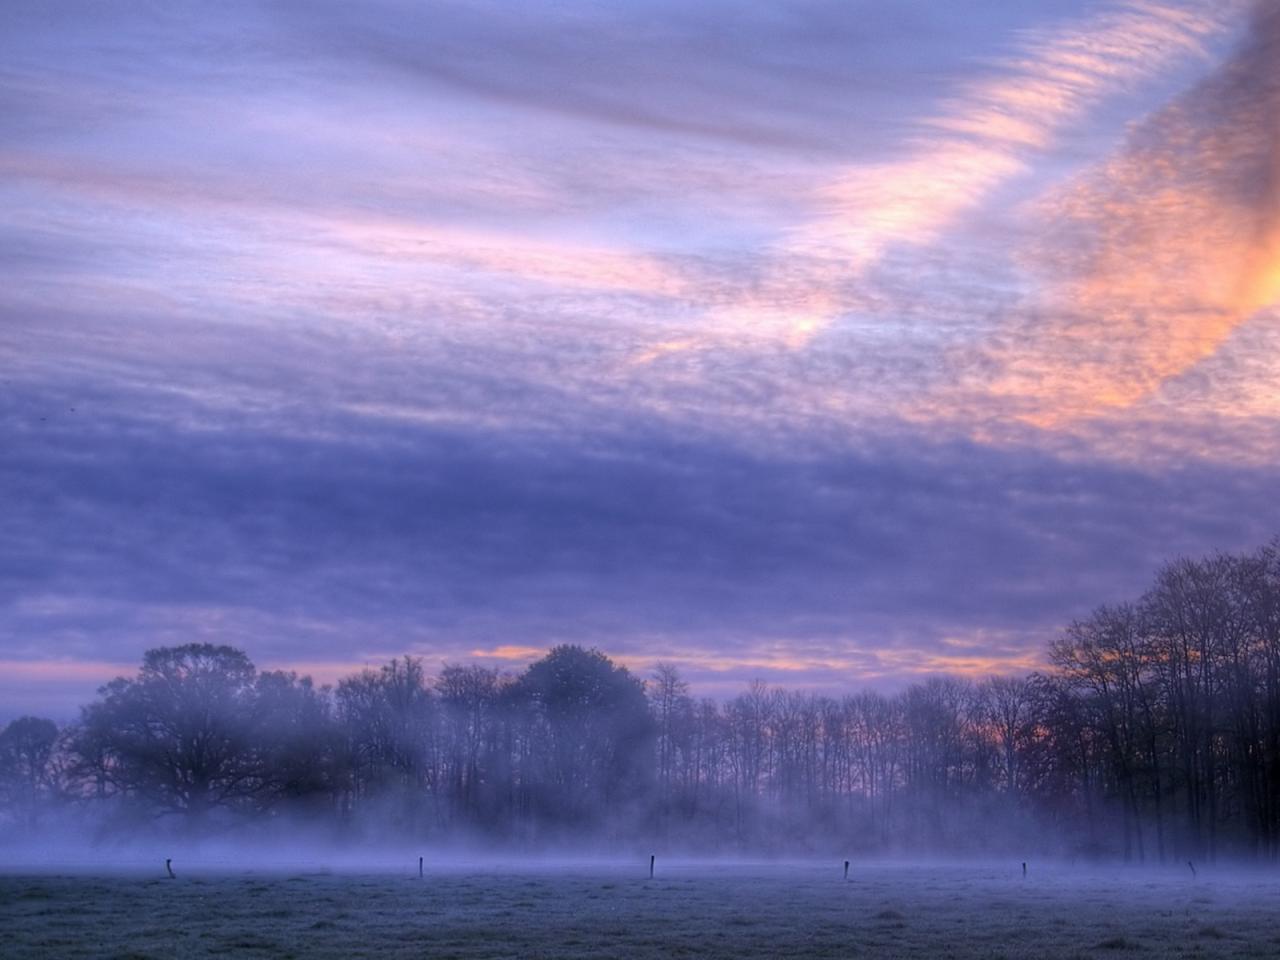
(709, 910)
(1153, 737)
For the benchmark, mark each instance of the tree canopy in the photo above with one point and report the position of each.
(1153, 732)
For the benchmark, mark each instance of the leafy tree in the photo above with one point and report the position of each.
(26, 767)
(595, 730)
(179, 737)
(296, 741)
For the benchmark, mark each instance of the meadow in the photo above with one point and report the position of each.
(705, 910)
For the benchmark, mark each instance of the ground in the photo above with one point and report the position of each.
(704, 910)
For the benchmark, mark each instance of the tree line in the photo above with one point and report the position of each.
(1153, 734)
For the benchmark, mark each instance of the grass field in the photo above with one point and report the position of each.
(689, 910)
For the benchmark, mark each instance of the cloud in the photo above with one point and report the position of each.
(306, 533)
(470, 329)
(1158, 256)
(985, 135)
(743, 74)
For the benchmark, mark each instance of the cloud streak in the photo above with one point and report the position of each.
(819, 341)
(984, 136)
(1158, 256)
(322, 538)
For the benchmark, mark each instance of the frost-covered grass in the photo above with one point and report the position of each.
(688, 910)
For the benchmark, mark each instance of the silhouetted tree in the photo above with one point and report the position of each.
(1156, 732)
(389, 718)
(27, 781)
(297, 743)
(593, 732)
(470, 700)
(671, 706)
(180, 735)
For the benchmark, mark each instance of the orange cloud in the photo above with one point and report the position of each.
(511, 652)
(1156, 258)
(982, 138)
(574, 266)
(922, 663)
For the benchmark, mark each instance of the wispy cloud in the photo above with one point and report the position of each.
(985, 134)
(1155, 258)
(467, 328)
(314, 536)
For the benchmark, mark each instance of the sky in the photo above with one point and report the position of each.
(833, 344)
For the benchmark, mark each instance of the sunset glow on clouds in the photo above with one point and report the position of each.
(824, 343)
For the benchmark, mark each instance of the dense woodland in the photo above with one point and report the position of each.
(1154, 735)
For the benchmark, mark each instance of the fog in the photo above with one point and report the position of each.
(1153, 739)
